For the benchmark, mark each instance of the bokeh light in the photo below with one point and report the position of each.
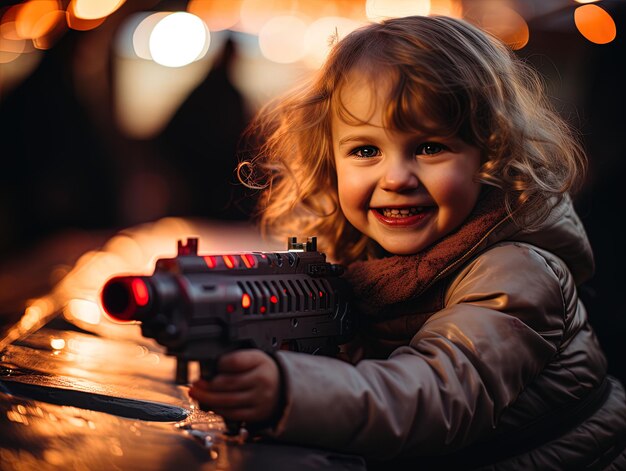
(83, 310)
(57, 343)
(36, 18)
(81, 24)
(315, 9)
(282, 39)
(143, 31)
(595, 24)
(94, 9)
(377, 10)
(218, 15)
(7, 25)
(322, 34)
(255, 13)
(506, 24)
(11, 45)
(179, 39)
(10, 50)
(452, 8)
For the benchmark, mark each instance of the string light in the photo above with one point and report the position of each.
(595, 24)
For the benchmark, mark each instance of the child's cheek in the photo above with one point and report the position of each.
(456, 194)
(353, 204)
(350, 187)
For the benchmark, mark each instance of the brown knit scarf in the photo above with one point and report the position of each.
(381, 283)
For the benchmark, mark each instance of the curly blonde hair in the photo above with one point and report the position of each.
(465, 81)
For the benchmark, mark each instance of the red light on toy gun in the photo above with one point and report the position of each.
(123, 296)
(140, 291)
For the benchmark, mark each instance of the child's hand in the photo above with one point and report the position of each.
(245, 388)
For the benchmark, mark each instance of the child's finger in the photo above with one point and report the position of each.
(243, 414)
(223, 400)
(263, 377)
(241, 360)
(232, 382)
(252, 413)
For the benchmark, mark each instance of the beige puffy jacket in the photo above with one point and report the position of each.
(486, 360)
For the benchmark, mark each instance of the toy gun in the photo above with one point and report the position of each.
(200, 307)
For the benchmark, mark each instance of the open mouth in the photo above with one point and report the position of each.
(401, 212)
(402, 217)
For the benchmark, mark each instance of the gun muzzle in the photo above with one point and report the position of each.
(125, 298)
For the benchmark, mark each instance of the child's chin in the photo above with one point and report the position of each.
(401, 248)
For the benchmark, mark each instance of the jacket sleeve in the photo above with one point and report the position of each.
(502, 323)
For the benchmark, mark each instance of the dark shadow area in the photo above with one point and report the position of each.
(56, 173)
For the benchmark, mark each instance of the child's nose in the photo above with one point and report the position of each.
(399, 177)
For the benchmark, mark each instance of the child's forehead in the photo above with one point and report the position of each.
(371, 74)
(365, 86)
(360, 98)
(365, 96)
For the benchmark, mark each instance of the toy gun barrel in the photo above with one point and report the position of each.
(200, 307)
(127, 298)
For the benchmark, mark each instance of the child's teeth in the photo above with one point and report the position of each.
(404, 212)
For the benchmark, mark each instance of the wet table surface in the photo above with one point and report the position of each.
(74, 400)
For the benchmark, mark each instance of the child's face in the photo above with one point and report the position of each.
(404, 190)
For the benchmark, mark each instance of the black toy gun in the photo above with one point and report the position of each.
(200, 307)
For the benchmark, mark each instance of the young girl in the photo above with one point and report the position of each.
(426, 158)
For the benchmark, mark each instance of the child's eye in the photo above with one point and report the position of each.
(430, 148)
(365, 151)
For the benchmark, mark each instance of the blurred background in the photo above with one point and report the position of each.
(120, 122)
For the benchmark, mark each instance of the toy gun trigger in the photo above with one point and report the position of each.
(208, 369)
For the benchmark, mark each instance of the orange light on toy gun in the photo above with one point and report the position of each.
(123, 296)
(248, 260)
(245, 301)
(210, 261)
(229, 261)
